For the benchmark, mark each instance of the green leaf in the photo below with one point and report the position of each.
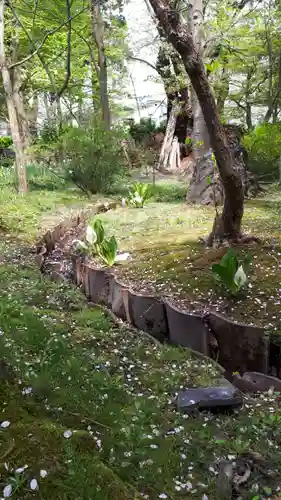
(98, 227)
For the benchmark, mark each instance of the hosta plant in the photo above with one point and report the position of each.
(231, 272)
(138, 195)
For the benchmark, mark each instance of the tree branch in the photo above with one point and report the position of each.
(68, 57)
(46, 36)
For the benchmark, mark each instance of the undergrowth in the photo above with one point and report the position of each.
(87, 408)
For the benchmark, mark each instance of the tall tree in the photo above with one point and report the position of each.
(98, 36)
(228, 224)
(14, 117)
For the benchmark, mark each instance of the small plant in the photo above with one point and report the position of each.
(108, 251)
(96, 244)
(230, 272)
(138, 195)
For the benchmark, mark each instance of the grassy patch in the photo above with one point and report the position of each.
(92, 406)
(163, 240)
(72, 370)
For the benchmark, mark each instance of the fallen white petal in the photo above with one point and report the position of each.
(33, 484)
(67, 434)
(7, 491)
(43, 473)
(122, 256)
(5, 424)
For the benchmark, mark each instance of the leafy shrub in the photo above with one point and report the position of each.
(230, 272)
(5, 141)
(93, 158)
(146, 127)
(138, 195)
(263, 147)
(41, 177)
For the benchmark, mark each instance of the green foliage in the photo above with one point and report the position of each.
(145, 128)
(138, 195)
(97, 244)
(263, 146)
(5, 141)
(94, 158)
(107, 251)
(230, 272)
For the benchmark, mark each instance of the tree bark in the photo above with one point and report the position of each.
(205, 187)
(98, 36)
(12, 110)
(228, 225)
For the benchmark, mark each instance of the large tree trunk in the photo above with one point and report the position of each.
(98, 35)
(228, 225)
(205, 187)
(12, 110)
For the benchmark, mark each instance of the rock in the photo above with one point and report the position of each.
(188, 330)
(218, 397)
(241, 347)
(262, 382)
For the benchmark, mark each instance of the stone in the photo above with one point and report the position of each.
(147, 313)
(99, 286)
(220, 396)
(262, 382)
(188, 330)
(241, 347)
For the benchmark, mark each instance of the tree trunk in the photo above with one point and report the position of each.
(12, 111)
(166, 149)
(228, 225)
(205, 186)
(98, 35)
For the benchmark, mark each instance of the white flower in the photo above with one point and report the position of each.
(26, 390)
(67, 434)
(123, 202)
(33, 484)
(91, 235)
(7, 491)
(21, 469)
(240, 277)
(5, 424)
(163, 495)
(43, 473)
(204, 497)
(99, 443)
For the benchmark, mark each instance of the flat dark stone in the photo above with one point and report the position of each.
(223, 396)
(186, 329)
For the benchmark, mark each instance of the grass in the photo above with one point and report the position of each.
(163, 239)
(92, 404)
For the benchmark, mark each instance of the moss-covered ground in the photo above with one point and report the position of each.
(167, 257)
(89, 406)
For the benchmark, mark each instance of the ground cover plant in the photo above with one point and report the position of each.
(167, 256)
(87, 407)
